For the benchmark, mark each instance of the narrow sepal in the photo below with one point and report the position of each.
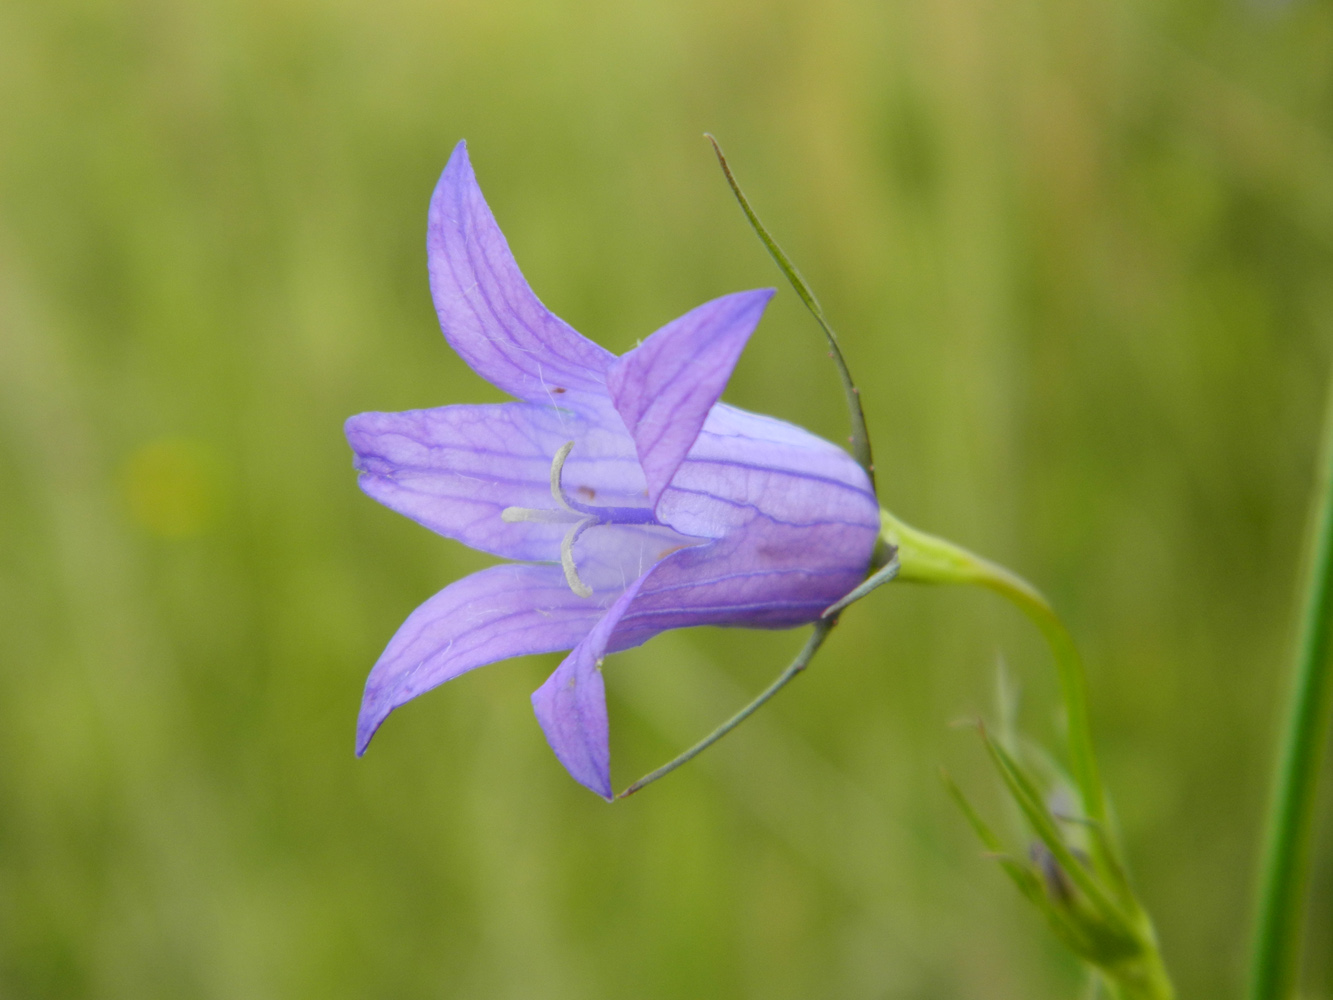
(803, 658)
(1026, 796)
(874, 581)
(1020, 874)
(860, 435)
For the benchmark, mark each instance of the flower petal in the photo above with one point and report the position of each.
(794, 523)
(571, 705)
(455, 468)
(745, 462)
(761, 575)
(664, 388)
(503, 611)
(487, 311)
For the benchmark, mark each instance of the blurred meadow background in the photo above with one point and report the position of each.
(1079, 252)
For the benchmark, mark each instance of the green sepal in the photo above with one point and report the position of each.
(860, 436)
(1025, 880)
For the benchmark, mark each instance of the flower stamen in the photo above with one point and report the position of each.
(567, 512)
(579, 516)
(557, 471)
(572, 578)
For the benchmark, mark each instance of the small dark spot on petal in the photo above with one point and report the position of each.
(557, 389)
(587, 492)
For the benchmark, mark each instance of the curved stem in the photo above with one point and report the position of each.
(924, 558)
(1277, 937)
(1116, 934)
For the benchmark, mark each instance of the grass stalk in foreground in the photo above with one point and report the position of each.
(1278, 928)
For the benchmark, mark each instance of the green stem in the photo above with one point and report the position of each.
(1277, 938)
(1115, 934)
(1147, 981)
(924, 558)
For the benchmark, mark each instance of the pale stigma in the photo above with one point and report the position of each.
(579, 521)
(567, 557)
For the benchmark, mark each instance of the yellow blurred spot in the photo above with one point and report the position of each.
(170, 487)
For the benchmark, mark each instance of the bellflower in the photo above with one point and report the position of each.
(630, 499)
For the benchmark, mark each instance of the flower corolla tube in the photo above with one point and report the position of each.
(629, 498)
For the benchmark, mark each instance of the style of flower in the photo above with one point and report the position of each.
(630, 498)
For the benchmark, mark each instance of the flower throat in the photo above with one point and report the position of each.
(579, 516)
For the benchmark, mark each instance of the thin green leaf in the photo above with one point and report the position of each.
(1008, 698)
(1022, 876)
(1284, 877)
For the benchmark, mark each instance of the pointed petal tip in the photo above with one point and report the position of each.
(599, 785)
(573, 717)
(367, 724)
(456, 177)
(766, 293)
(758, 300)
(571, 703)
(751, 300)
(458, 159)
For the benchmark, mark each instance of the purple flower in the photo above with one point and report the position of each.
(631, 500)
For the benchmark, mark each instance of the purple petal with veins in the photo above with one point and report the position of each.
(508, 610)
(454, 469)
(487, 311)
(664, 388)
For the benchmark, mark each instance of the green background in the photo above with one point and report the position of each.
(1079, 254)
